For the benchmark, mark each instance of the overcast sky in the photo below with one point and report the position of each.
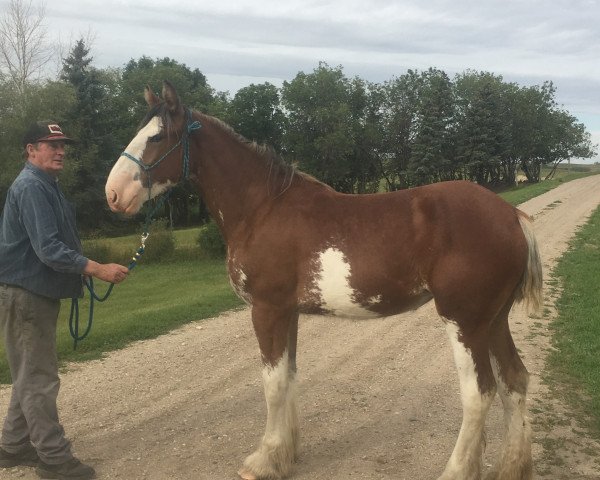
(236, 43)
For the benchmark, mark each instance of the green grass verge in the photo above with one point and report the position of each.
(574, 365)
(522, 193)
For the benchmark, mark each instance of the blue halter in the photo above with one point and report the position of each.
(184, 141)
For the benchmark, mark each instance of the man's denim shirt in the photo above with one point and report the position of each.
(40, 249)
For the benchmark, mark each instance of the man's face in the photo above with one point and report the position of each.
(47, 155)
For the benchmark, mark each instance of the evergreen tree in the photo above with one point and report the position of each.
(481, 133)
(430, 160)
(400, 106)
(90, 122)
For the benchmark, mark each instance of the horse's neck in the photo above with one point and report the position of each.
(232, 177)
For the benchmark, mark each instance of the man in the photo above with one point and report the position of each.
(40, 263)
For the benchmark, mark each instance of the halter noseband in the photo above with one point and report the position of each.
(184, 141)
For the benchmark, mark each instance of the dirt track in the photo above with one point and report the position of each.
(377, 399)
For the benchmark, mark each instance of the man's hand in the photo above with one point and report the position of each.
(109, 272)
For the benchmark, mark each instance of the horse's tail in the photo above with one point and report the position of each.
(530, 289)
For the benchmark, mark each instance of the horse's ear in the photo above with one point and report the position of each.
(171, 97)
(151, 98)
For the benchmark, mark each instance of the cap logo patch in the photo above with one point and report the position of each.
(55, 129)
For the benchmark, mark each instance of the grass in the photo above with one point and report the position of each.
(574, 363)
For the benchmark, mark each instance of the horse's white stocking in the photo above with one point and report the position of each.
(465, 461)
(277, 451)
(515, 460)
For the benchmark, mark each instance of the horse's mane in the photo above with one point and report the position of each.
(281, 173)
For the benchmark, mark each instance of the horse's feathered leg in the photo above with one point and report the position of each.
(277, 451)
(512, 379)
(477, 389)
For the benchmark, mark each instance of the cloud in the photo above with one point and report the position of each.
(528, 42)
(446, 29)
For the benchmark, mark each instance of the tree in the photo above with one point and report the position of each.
(325, 121)
(194, 88)
(90, 121)
(430, 161)
(481, 134)
(531, 126)
(365, 116)
(569, 140)
(255, 113)
(574, 140)
(399, 106)
(23, 48)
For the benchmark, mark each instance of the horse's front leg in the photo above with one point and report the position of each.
(276, 331)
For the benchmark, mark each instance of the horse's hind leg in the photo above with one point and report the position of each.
(512, 379)
(477, 389)
(276, 332)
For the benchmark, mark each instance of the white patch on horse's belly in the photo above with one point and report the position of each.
(332, 285)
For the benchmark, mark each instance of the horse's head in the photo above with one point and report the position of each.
(156, 157)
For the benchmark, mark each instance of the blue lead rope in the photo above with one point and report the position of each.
(74, 316)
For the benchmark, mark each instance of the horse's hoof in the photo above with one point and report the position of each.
(246, 474)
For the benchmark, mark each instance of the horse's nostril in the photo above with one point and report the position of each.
(113, 197)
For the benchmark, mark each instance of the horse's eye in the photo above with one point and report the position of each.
(155, 138)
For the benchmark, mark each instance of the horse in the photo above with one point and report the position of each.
(295, 245)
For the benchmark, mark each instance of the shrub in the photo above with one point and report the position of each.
(160, 244)
(96, 249)
(211, 242)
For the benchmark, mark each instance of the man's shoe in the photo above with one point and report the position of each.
(70, 470)
(27, 457)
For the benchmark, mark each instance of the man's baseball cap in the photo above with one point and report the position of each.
(45, 131)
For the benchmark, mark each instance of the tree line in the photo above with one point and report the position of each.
(355, 135)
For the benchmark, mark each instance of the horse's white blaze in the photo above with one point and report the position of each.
(132, 194)
(137, 146)
(466, 457)
(332, 281)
